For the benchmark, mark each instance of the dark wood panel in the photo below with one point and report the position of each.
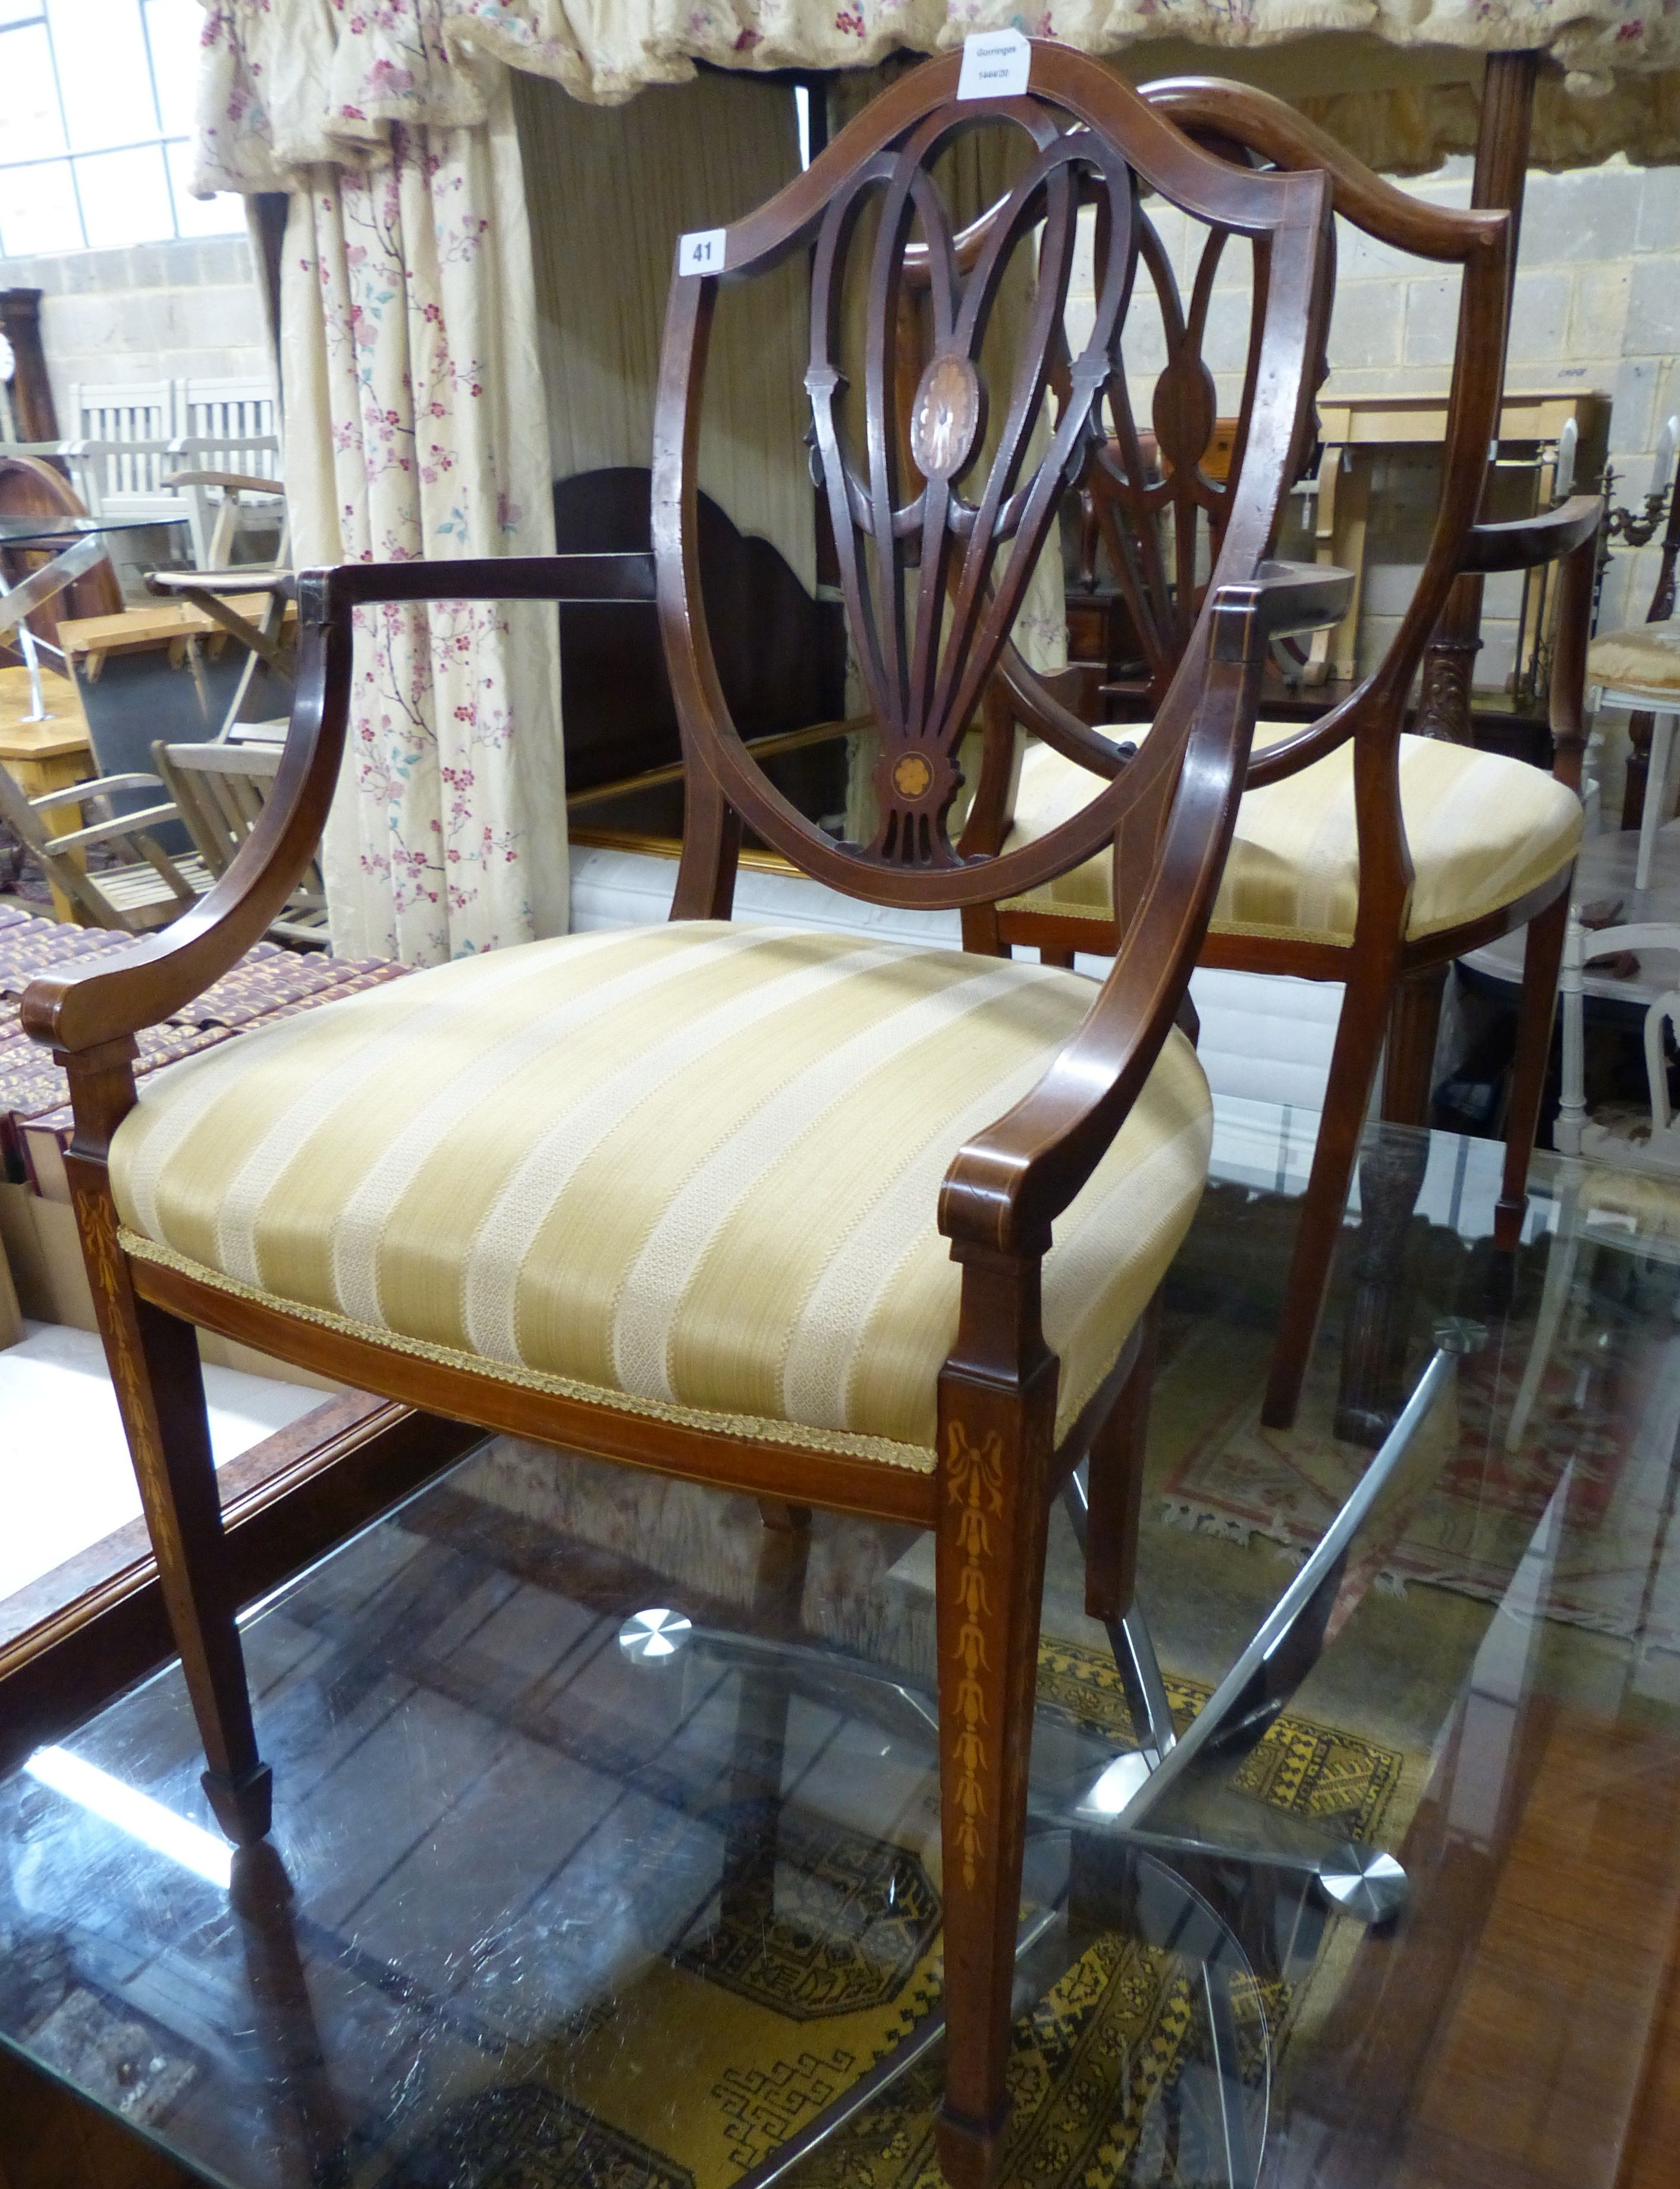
(781, 654)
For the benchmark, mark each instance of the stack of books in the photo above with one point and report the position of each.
(267, 983)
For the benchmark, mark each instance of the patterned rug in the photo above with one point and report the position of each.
(1603, 1427)
(782, 2000)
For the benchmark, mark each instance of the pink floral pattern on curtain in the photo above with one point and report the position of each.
(289, 80)
(409, 337)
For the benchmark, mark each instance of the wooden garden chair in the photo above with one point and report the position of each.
(146, 886)
(1361, 854)
(220, 790)
(822, 1221)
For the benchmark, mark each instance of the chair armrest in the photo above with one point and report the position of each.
(95, 787)
(233, 482)
(1005, 1188)
(1528, 541)
(125, 824)
(243, 578)
(77, 1009)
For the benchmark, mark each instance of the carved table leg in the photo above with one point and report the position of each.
(1449, 664)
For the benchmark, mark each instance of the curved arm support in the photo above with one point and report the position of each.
(110, 998)
(1527, 541)
(1005, 1188)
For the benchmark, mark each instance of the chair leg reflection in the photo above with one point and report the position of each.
(310, 2132)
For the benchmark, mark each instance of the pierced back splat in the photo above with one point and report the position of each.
(934, 566)
(941, 496)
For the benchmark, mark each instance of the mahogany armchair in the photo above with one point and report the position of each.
(1361, 854)
(821, 1221)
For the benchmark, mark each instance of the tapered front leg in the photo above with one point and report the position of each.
(154, 1366)
(993, 1501)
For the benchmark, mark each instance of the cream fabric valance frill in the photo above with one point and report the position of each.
(288, 83)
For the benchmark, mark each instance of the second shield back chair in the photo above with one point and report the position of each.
(1361, 854)
(824, 1221)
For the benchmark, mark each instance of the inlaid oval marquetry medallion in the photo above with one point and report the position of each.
(945, 418)
(912, 776)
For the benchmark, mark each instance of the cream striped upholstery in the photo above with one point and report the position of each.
(1484, 831)
(695, 1166)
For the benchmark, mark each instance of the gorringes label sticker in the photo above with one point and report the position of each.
(995, 64)
(701, 251)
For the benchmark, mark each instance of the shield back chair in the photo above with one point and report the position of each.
(1361, 855)
(824, 1221)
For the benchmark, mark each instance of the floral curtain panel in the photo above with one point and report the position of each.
(288, 82)
(408, 322)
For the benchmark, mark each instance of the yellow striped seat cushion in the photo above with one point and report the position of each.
(693, 1166)
(1484, 831)
(1644, 657)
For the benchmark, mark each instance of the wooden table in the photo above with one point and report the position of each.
(47, 755)
(1355, 430)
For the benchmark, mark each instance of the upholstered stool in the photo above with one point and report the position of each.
(1639, 669)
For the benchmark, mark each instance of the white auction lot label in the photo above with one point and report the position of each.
(701, 251)
(995, 64)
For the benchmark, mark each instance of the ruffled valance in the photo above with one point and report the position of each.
(289, 83)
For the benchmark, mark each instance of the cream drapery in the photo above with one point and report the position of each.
(415, 411)
(289, 83)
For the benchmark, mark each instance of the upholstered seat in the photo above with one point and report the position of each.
(1644, 657)
(1483, 831)
(695, 1165)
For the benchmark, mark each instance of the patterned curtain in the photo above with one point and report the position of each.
(298, 73)
(416, 429)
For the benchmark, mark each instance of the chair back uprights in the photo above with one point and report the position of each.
(942, 468)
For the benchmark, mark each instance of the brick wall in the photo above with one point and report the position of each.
(157, 311)
(1596, 305)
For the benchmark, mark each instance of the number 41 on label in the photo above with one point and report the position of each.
(701, 251)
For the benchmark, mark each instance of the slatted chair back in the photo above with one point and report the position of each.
(220, 791)
(222, 417)
(145, 887)
(937, 540)
(123, 481)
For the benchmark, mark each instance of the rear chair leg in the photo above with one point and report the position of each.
(1352, 1068)
(1543, 954)
(155, 1366)
(1114, 1490)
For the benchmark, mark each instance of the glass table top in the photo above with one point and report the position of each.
(560, 1895)
(47, 530)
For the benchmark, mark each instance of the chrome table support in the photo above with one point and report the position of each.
(1242, 1873)
(1125, 1808)
(44, 584)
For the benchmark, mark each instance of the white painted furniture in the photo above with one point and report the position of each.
(1619, 1173)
